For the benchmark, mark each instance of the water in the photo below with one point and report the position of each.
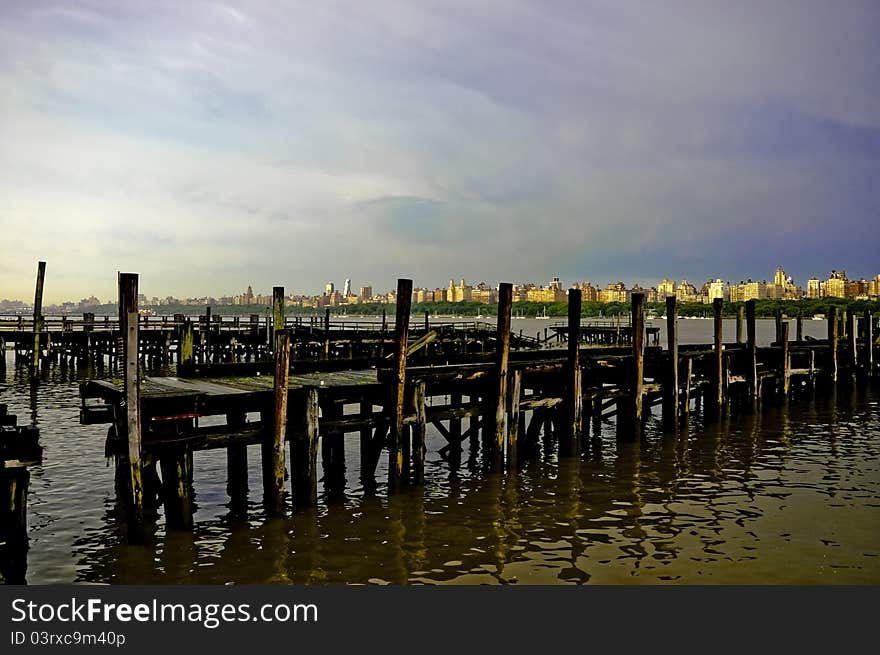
(789, 496)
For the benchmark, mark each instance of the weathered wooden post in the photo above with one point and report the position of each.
(327, 333)
(496, 411)
(427, 322)
(574, 401)
(868, 359)
(752, 348)
(273, 466)
(832, 342)
(418, 432)
(740, 317)
(630, 421)
(398, 386)
(236, 463)
(786, 360)
(185, 356)
(38, 316)
(366, 446)
(304, 455)
(177, 487)
(777, 316)
(718, 367)
(455, 401)
(128, 324)
(278, 317)
(206, 340)
(851, 344)
(670, 392)
(513, 418)
(800, 327)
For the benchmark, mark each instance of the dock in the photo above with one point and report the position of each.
(498, 401)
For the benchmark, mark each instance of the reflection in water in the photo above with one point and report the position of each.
(788, 495)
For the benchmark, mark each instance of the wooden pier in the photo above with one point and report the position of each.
(509, 397)
(19, 449)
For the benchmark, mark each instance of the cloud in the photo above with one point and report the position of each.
(215, 145)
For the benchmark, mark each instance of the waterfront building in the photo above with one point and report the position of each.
(718, 289)
(835, 286)
(666, 288)
(686, 292)
(615, 292)
(366, 293)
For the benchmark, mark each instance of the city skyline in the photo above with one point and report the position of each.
(686, 289)
(201, 144)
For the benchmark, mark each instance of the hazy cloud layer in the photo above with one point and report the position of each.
(209, 146)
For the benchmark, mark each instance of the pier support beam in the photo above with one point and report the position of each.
(752, 350)
(273, 466)
(740, 317)
(493, 435)
(832, 343)
(236, 465)
(670, 392)
(398, 388)
(38, 316)
(718, 360)
(304, 456)
(574, 401)
(786, 360)
(418, 432)
(128, 329)
(630, 420)
(177, 488)
(278, 309)
(868, 358)
(514, 418)
(851, 345)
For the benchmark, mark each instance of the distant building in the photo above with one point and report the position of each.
(346, 288)
(718, 289)
(460, 293)
(814, 288)
(615, 292)
(666, 288)
(835, 286)
(366, 293)
(329, 288)
(686, 292)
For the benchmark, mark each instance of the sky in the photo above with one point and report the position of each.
(208, 146)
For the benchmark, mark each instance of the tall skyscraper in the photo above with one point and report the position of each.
(329, 288)
(346, 290)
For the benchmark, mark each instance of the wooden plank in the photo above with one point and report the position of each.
(786, 359)
(718, 346)
(752, 349)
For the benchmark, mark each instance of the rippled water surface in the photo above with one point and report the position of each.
(789, 496)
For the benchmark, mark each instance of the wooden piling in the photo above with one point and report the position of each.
(236, 463)
(207, 355)
(514, 397)
(398, 389)
(327, 333)
(630, 421)
(278, 309)
(418, 432)
(868, 358)
(574, 401)
(38, 316)
(752, 350)
(851, 343)
(718, 363)
(304, 455)
(832, 342)
(367, 458)
(740, 317)
(670, 392)
(786, 360)
(128, 327)
(777, 317)
(177, 488)
(185, 356)
(800, 327)
(273, 470)
(493, 436)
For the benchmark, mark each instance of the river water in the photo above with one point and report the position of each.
(788, 496)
